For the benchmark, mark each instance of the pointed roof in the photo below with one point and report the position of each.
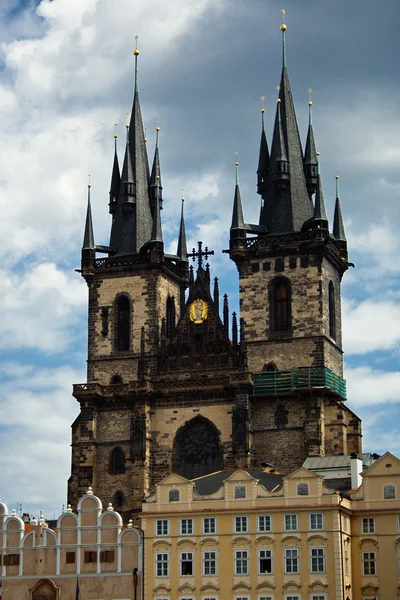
(155, 170)
(237, 214)
(115, 176)
(182, 247)
(319, 211)
(310, 153)
(287, 211)
(263, 157)
(127, 175)
(338, 224)
(156, 232)
(88, 237)
(278, 150)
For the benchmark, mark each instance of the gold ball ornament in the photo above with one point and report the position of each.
(283, 27)
(136, 52)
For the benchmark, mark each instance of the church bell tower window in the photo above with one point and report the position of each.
(122, 324)
(280, 305)
(332, 312)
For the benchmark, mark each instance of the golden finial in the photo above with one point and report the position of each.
(115, 130)
(89, 184)
(262, 98)
(145, 138)
(236, 161)
(337, 174)
(183, 199)
(158, 126)
(309, 92)
(127, 120)
(318, 153)
(136, 51)
(283, 26)
(278, 100)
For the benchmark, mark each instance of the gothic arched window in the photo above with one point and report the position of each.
(197, 449)
(280, 305)
(122, 324)
(332, 311)
(117, 460)
(170, 320)
(119, 499)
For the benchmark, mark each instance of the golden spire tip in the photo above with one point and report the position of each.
(89, 184)
(136, 51)
(283, 26)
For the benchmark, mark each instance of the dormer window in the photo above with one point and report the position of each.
(173, 495)
(302, 489)
(240, 491)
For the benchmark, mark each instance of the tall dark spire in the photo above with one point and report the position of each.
(263, 158)
(310, 157)
(156, 232)
(182, 248)
(88, 237)
(153, 176)
(115, 179)
(237, 213)
(286, 201)
(320, 220)
(338, 225)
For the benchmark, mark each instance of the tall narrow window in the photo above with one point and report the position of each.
(280, 305)
(332, 312)
(122, 324)
(170, 320)
(117, 461)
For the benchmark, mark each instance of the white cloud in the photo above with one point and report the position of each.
(371, 387)
(39, 308)
(370, 325)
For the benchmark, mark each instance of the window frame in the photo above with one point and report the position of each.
(273, 303)
(332, 311)
(291, 558)
(183, 560)
(271, 558)
(244, 560)
(243, 519)
(187, 519)
(368, 521)
(156, 522)
(386, 487)
(174, 492)
(258, 523)
(163, 561)
(214, 519)
(118, 323)
(320, 514)
(204, 560)
(239, 489)
(366, 563)
(305, 486)
(290, 515)
(318, 559)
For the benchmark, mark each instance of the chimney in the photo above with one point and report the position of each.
(355, 470)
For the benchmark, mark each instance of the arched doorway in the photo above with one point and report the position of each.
(197, 449)
(45, 590)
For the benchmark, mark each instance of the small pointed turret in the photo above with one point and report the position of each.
(216, 294)
(156, 233)
(234, 330)
(310, 157)
(153, 176)
(263, 159)
(226, 314)
(182, 247)
(279, 154)
(238, 230)
(338, 225)
(88, 238)
(320, 220)
(115, 180)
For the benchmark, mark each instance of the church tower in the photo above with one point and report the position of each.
(172, 384)
(290, 270)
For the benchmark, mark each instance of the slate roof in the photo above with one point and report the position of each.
(209, 484)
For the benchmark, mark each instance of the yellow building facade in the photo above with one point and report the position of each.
(89, 550)
(248, 537)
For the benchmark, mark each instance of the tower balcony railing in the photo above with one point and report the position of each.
(303, 378)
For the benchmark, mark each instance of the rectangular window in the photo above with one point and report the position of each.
(368, 525)
(162, 527)
(11, 560)
(291, 522)
(90, 556)
(369, 563)
(70, 558)
(107, 556)
(186, 563)
(162, 564)
(297, 597)
(241, 562)
(241, 598)
(292, 560)
(264, 523)
(209, 525)
(240, 491)
(241, 525)
(209, 562)
(265, 562)
(186, 526)
(265, 598)
(210, 598)
(346, 561)
(317, 560)
(318, 597)
(316, 521)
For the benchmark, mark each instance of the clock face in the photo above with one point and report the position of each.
(198, 311)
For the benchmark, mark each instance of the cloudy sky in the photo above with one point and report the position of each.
(66, 77)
